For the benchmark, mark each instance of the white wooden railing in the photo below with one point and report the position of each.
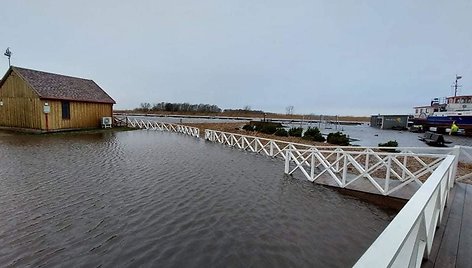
(154, 125)
(388, 172)
(247, 142)
(409, 237)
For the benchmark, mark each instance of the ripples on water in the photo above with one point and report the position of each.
(145, 198)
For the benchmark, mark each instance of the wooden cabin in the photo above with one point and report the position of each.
(38, 101)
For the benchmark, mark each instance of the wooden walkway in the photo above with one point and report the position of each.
(452, 246)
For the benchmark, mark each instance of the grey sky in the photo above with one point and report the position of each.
(324, 57)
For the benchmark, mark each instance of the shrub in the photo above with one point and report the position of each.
(389, 144)
(248, 127)
(281, 132)
(268, 129)
(259, 125)
(338, 138)
(295, 131)
(313, 134)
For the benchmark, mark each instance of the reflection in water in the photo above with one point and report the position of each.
(163, 199)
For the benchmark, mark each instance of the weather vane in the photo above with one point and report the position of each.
(455, 85)
(8, 54)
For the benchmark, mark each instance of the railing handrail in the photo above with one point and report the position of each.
(364, 152)
(387, 172)
(446, 150)
(386, 249)
(153, 124)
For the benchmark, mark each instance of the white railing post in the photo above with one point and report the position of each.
(271, 149)
(312, 166)
(344, 170)
(405, 162)
(287, 161)
(387, 175)
(457, 153)
(337, 160)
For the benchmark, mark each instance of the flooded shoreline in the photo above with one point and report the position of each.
(162, 199)
(363, 134)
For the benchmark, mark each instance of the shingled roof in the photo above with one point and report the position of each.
(62, 87)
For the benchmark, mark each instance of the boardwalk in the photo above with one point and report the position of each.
(452, 245)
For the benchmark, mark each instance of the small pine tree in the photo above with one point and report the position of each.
(338, 138)
(313, 134)
(295, 132)
(281, 132)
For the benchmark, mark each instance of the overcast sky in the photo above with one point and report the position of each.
(348, 57)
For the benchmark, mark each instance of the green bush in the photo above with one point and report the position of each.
(338, 138)
(313, 134)
(268, 129)
(248, 127)
(281, 132)
(389, 144)
(259, 125)
(295, 131)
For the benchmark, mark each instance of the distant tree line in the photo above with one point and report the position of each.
(244, 110)
(178, 107)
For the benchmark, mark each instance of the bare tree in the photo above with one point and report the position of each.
(247, 108)
(145, 106)
(289, 109)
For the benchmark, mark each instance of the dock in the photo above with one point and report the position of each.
(452, 245)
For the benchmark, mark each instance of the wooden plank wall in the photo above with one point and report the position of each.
(21, 106)
(82, 115)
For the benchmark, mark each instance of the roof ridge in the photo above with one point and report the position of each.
(76, 77)
(49, 85)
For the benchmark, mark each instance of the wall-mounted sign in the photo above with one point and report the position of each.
(46, 108)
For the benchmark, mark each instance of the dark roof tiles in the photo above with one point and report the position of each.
(56, 86)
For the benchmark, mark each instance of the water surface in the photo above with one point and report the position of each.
(157, 199)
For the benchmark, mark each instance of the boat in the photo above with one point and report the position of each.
(442, 113)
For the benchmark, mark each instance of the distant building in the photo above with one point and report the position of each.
(389, 121)
(40, 101)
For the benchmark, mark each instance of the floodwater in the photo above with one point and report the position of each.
(158, 199)
(363, 134)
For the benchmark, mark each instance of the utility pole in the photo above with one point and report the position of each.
(8, 54)
(456, 85)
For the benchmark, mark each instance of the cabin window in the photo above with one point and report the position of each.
(65, 110)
